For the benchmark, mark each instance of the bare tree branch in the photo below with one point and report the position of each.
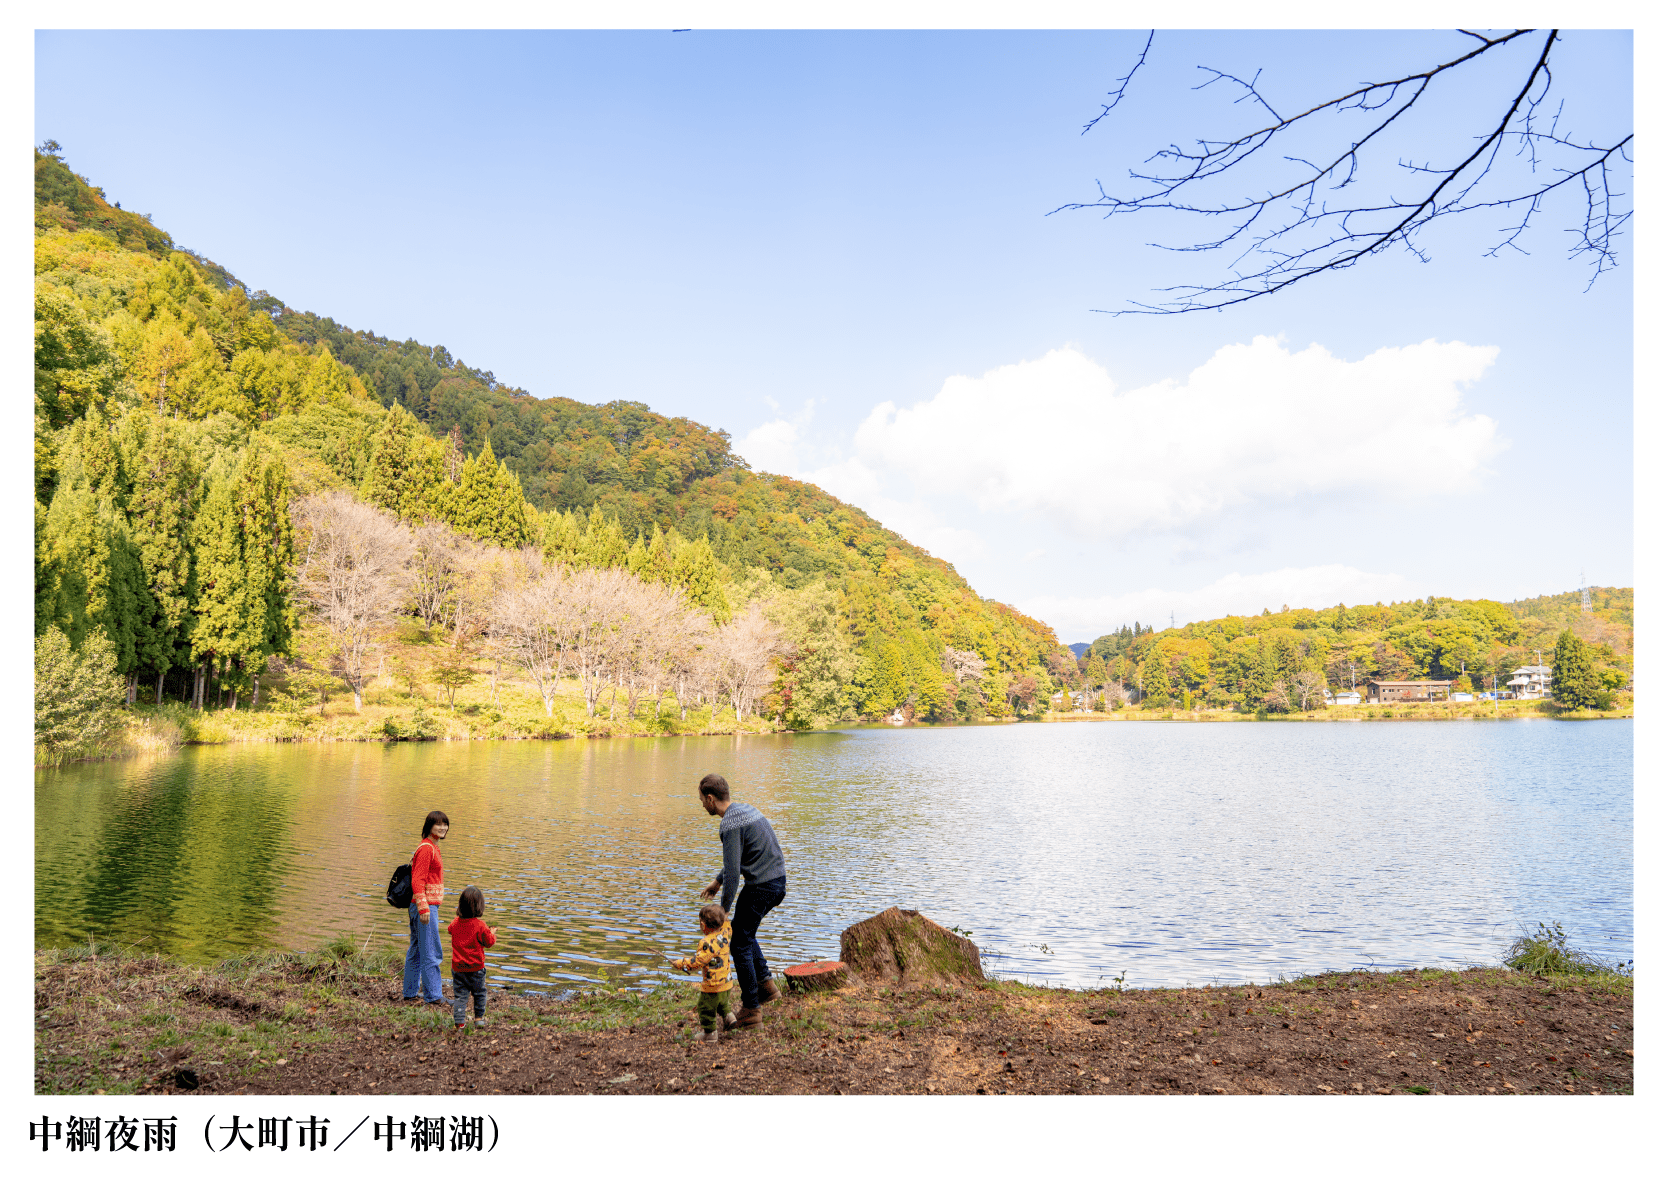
(1123, 83)
(1297, 230)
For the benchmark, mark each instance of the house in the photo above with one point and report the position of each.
(1531, 683)
(1407, 691)
(1348, 697)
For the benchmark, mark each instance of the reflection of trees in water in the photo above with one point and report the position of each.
(169, 858)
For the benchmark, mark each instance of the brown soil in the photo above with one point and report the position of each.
(1478, 1031)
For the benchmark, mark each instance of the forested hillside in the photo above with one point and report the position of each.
(1280, 662)
(181, 420)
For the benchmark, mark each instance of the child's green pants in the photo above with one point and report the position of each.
(713, 1005)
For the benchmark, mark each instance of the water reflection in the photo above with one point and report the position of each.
(1170, 853)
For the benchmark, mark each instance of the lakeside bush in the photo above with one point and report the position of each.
(1548, 952)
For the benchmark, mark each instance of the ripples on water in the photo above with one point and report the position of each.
(1170, 853)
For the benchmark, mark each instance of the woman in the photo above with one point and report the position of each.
(428, 889)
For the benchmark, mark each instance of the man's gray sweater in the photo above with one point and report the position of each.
(751, 852)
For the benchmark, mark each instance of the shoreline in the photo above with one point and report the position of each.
(329, 1021)
(172, 727)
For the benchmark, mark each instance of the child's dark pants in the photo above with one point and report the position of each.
(464, 984)
(713, 1005)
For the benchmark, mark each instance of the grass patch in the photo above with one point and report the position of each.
(1547, 954)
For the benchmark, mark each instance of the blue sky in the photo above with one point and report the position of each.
(834, 246)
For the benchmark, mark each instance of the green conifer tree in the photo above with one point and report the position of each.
(561, 537)
(659, 566)
(220, 605)
(510, 522)
(406, 471)
(1574, 682)
(604, 543)
(697, 572)
(637, 559)
(487, 503)
(159, 514)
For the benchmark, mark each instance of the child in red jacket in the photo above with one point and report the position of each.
(470, 938)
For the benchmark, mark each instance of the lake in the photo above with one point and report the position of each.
(1165, 853)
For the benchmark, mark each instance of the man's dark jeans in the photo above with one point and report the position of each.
(755, 901)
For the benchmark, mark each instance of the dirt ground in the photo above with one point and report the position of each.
(298, 1029)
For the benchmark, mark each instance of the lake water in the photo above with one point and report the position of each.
(1168, 853)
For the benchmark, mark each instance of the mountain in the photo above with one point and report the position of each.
(147, 353)
(1243, 659)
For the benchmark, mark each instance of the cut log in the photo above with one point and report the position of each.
(901, 947)
(817, 976)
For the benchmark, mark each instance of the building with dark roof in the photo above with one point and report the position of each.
(1407, 691)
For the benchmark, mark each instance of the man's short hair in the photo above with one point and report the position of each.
(714, 786)
(432, 818)
(712, 916)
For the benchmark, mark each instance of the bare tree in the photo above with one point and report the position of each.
(655, 624)
(595, 604)
(532, 622)
(1294, 225)
(962, 665)
(352, 572)
(1307, 688)
(440, 558)
(742, 658)
(688, 659)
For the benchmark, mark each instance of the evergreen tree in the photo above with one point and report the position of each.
(326, 382)
(604, 543)
(159, 515)
(637, 559)
(77, 692)
(560, 537)
(697, 572)
(886, 689)
(88, 574)
(220, 604)
(658, 568)
(405, 473)
(509, 506)
(487, 503)
(1574, 683)
(269, 553)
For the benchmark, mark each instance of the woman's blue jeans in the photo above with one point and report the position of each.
(423, 957)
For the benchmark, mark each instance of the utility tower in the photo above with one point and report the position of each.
(1587, 605)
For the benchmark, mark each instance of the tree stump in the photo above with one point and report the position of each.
(817, 976)
(903, 948)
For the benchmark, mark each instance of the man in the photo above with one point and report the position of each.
(751, 854)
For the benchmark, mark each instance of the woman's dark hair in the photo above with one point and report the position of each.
(715, 787)
(471, 903)
(431, 819)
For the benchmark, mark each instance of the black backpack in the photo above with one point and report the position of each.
(399, 887)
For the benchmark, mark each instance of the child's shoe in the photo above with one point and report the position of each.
(729, 1020)
(457, 1027)
(480, 1021)
(710, 1038)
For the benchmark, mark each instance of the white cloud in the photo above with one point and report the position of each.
(1254, 424)
(780, 446)
(1315, 586)
(776, 446)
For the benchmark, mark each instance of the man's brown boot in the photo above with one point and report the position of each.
(768, 992)
(748, 1017)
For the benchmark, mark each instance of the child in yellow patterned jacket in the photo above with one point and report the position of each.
(712, 958)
